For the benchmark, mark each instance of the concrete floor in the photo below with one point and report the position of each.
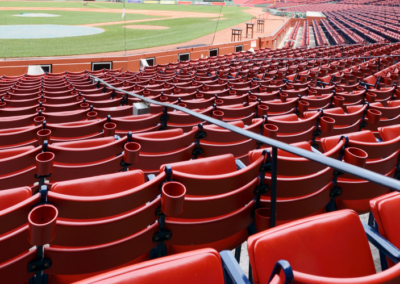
(312, 42)
(244, 257)
(374, 250)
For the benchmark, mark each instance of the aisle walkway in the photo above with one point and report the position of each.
(312, 37)
(299, 37)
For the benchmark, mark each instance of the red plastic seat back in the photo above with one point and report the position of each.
(219, 165)
(8, 153)
(13, 196)
(362, 136)
(329, 245)
(195, 267)
(100, 185)
(389, 132)
(385, 209)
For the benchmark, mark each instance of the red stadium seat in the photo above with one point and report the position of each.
(382, 158)
(85, 158)
(303, 187)
(311, 237)
(227, 207)
(18, 166)
(384, 208)
(105, 205)
(111, 173)
(163, 147)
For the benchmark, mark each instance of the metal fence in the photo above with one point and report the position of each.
(277, 12)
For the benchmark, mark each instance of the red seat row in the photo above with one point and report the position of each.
(90, 182)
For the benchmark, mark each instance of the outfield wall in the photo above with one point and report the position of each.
(186, 2)
(132, 62)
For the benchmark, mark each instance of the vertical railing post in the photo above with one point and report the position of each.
(38, 278)
(164, 118)
(273, 185)
(379, 63)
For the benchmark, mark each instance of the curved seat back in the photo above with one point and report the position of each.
(213, 175)
(164, 141)
(137, 124)
(339, 235)
(384, 208)
(61, 132)
(389, 132)
(196, 267)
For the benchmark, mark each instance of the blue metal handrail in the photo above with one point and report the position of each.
(275, 144)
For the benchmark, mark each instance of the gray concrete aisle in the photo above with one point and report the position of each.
(312, 37)
(298, 37)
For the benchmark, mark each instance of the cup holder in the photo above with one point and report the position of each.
(131, 152)
(44, 163)
(355, 156)
(42, 224)
(172, 198)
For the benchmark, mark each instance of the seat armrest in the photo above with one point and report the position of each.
(323, 84)
(239, 164)
(382, 244)
(287, 271)
(232, 271)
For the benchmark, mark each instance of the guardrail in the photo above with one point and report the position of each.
(286, 14)
(338, 165)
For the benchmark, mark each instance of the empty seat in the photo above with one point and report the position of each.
(221, 141)
(303, 186)
(85, 158)
(382, 158)
(94, 216)
(19, 137)
(219, 193)
(384, 208)
(350, 259)
(137, 123)
(162, 147)
(18, 166)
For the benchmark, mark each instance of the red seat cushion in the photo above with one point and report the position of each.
(389, 132)
(385, 208)
(329, 245)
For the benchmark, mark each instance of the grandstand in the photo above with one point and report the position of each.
(139, 143)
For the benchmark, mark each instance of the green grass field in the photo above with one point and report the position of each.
(115, 37)
(66, 18)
